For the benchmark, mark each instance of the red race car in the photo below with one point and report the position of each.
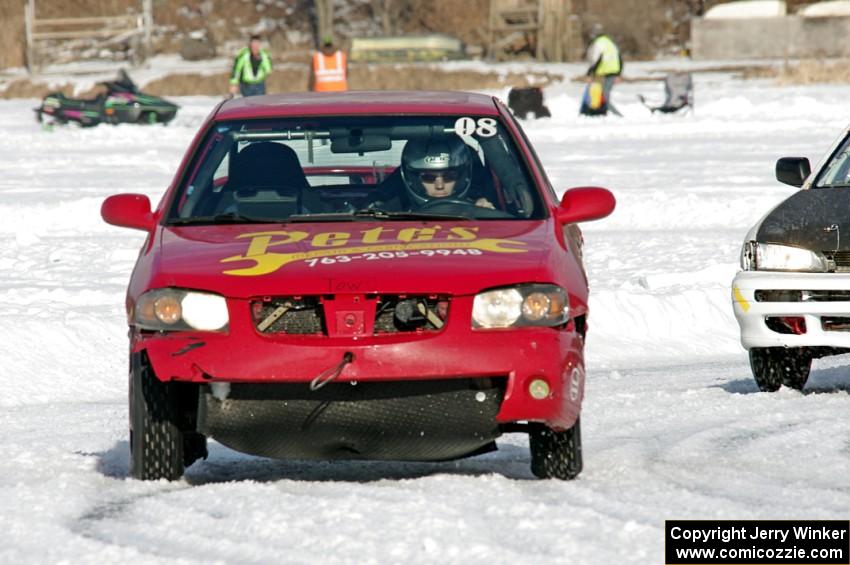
(361, 275)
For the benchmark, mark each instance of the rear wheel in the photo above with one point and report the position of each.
(156, 441)
(555, 455)
(776, 366)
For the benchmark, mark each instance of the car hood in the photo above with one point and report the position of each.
(813, 219)
(355, 257)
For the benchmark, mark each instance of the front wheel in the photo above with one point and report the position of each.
(156, 442)
(555, 455)
(776, 366)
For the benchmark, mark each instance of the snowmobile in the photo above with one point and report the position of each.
(121, 103)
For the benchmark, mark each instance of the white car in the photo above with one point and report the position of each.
(792, 296)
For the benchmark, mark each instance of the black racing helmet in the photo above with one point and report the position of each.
(435, 155)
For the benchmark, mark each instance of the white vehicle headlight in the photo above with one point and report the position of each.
(497, 308)
(174, 309)
(204, 311)
(522, 305)
(773, 257)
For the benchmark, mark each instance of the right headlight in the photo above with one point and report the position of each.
(174, 309)
(757, 256)
(522, 305)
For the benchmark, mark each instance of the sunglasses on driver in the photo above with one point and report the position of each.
(430, 177)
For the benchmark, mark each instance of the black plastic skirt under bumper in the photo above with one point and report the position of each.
(401, 420)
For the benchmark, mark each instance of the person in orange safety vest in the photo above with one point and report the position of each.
(329, 72)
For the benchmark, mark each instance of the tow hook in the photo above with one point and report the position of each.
(329, 375)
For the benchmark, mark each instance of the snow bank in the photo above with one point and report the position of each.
(745, 9)
(831, 8)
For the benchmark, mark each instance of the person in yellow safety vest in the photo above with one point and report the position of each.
(606, 64)
(329, 72)
(250, 68)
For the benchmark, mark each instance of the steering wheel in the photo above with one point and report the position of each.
(446, 202)
(460, 207)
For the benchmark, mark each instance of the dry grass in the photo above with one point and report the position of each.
(812, 71)
(24, 88)
(806, 71)
(362, 77)
(424, 77)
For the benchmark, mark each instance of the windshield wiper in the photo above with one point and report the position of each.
(374, 214)
(412, 215)
(226, 218)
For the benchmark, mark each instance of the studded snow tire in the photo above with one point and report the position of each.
(776, 366)
(156, 442)
(555, 455)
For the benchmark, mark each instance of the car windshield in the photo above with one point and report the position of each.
(837, 172)
(354, 169)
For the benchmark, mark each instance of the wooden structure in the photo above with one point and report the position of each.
(324, 20)
(406, 48)
(96, 31)
(548, 30)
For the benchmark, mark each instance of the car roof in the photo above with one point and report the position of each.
(358, 102)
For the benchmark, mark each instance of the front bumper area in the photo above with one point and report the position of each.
(456, 352)
(402, 420)
(753, 314)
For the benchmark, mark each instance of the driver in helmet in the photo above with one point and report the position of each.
(434, 168)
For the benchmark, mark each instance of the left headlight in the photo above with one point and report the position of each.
(757, 256)
(523, 305)
(174, 309)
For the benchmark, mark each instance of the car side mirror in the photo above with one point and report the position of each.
(585, 203)
(128, 211)
(793, 170)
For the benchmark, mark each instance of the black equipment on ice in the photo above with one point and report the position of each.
(527, 100)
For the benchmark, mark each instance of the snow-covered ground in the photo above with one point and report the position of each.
(673, 424)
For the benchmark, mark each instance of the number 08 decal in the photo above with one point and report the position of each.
(484, 127)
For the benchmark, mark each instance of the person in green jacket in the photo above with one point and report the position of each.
(606, 64)
(250, 68)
